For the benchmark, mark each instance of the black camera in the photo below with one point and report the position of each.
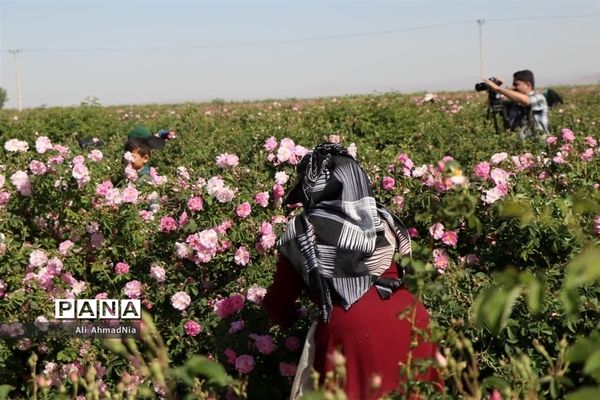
(481, 86)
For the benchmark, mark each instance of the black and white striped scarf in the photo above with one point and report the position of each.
(339, 242)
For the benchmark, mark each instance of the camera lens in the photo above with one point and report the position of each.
(481, 86)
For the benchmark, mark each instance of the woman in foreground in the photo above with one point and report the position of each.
(340, 249)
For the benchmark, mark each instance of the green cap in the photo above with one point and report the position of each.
(141, 132)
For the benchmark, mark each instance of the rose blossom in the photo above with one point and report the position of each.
(167, 224)
(287, 369)
(450, 238)
(121, 268)
(129, 195)
(244, 363)
(482, 170)
(243, 210)
(292, 343)
(278, 191)
(192, 328)
(256, 294)
(264, 343)
(227, 160)
(567, 135)
(262, 199)
(236, 326)
(588, 154)
(436, 230)
(440, 260)
(590, 141)
(499, 157)
(21, 181)
(37, 167)
(388, 183)
(157, 273)
(43, 144)
(16, 145)
(195, 203)
(133, 289)
(281, 177)
(597, 225)
(242, 256)
(226, 307)
(270, 144)
(352, 150)
(180, 301)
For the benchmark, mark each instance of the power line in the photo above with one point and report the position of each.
(305, 39)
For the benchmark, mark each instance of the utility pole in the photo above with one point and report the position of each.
(480, 22)
(15, 54)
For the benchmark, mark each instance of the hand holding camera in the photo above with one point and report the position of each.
(491, 85)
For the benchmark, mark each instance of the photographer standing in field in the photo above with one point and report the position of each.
(525, 110)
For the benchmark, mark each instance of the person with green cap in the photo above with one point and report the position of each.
(139, 145)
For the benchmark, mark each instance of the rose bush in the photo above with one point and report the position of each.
(495, 225)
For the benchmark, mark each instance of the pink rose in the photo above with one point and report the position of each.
(270, 144)
(133, 289)
(388, 183)
(588, 154)
(263, 343)
(192, 328)
(37, 167)
(121, 268)
(292, 343)
(551, 140)
(482, 170)
(236, 326)
(278, 191)
(43, 144)
(597, 225)
(440, 260)
(226, 307)
(244, 363)
(413, 232)
(287, 369)
(181, 301)
(437, 231)
(567, 135)
(242, 256)
(262, 199)
(64, 247)
(168, 224)
(231, 357)
(157, 273)
(195, 203)
(256, 294)
(590, 141)
(450, 238)
(243, 210)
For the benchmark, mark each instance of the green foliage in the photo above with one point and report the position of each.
(515, 310)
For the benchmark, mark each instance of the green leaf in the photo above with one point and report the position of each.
(592, 364)
(493, 308)
(587, 393)
(584, 269)
(4, 391)
(212, 370)
(495, 382)
(535, 295)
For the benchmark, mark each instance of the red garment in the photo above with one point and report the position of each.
(369, 334)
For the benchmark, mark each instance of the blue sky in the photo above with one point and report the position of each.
(133, 52)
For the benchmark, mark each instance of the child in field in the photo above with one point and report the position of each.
(138, 148)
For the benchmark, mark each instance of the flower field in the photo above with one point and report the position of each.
(506, 239)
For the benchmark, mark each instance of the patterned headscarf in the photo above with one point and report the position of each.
(339, 242)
